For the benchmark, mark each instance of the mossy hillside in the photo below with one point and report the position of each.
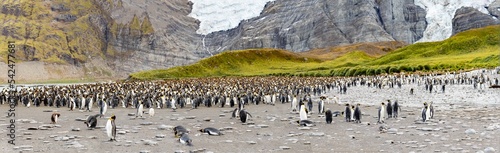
(252, 62)
(477, 48)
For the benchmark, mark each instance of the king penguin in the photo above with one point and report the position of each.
(140, 110)
(91, 121)
(328, 116)
(347, 113)
(244, 116)
(111, 128)
(426, 112)
(431, 112)
(395, 109)
(294, 103)
(211, 131)
(151, 112)
(321, 105)
(303, 112)
(357, 114)
(389, 109)
(381, 113)
(54, 117)
(184, 139)
(103, 109)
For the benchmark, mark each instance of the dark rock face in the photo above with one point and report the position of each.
(469, 18)
(303, 25)
(494, 8)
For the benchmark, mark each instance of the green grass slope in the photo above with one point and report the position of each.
(477, 48)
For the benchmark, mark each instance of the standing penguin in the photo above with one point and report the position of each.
(395, 109)
(111, 128)
(303, 112)
(54, 117)
(328, 116)
(352, 113)
(244, 116)
(103, 109)
(389, 109)
(381, 113)
(431, 112)
(140, 110)
(151, 112)
(347, 113)
(321, 105)
(357, 114)
(425, 112)
(294, 103)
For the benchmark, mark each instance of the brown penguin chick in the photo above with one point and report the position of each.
(54, 117)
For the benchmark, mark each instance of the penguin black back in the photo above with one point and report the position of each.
(389, 109)
(347, 113)
(395, 109)
(357, 114)
(328, 116)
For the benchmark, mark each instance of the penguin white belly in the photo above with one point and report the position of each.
(352, 114)
(382, 114)
(427, 114)
(172, 103)
(140, 110)
(303, 114)
(109, 128)
(29, 104)
(294, 104)
(90, 105)
(151, 112)
(55, 119)
(104, 108)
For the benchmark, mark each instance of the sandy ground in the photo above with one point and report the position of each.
(466, 120)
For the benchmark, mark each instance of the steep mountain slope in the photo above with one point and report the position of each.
(475, 48)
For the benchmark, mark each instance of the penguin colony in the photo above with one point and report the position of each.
(223, 92)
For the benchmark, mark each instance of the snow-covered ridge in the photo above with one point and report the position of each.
(216, 15)
(440, 14)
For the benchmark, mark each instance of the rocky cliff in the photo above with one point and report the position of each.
(303, 25)
(469, 18)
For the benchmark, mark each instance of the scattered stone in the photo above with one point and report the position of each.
(146, 123)
(389, 141)
(392, 131)
(150, 142)
(164, 127)
(160, 136)
(228, 141)
(48, 110)
(207, 119)
(32, 128)
(263, 126)
(284, 147)
(80, 119)
(121, 132)
(74, 144)
(489, 150)
(251, 142)
(304, 128)
(190, 117)
(144, 151)
(307, 143)
(470, 131)
(65, 138)
(426, 129)
(92, 137)
(27, 133)
(75, 129)
(317, 134)
(178, 151)
(131, 114)
(222, 115)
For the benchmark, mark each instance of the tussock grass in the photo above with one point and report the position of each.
(476, 48)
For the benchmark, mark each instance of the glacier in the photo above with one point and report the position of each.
(440, 14)
(217, 15)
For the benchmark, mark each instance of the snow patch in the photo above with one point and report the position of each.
(216, 15)
(440, 14)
